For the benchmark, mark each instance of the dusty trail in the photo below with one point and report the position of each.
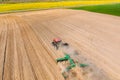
(26, 52)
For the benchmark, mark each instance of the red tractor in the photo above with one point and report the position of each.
(56, 42)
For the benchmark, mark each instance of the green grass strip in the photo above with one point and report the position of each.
(113, 9)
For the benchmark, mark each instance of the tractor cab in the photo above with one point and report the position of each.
(56, 42)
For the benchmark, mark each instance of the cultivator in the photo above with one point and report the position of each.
(67, 58)
(71, 63)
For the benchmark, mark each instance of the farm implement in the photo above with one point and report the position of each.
(69, 67)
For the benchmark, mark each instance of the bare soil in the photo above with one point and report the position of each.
(26, 52)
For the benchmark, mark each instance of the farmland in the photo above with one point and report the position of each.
(113, 9)
(59, 40)
(27, 53)
(5, 8)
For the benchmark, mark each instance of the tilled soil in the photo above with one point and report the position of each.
(26, 52)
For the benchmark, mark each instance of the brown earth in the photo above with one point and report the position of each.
(25, 43)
